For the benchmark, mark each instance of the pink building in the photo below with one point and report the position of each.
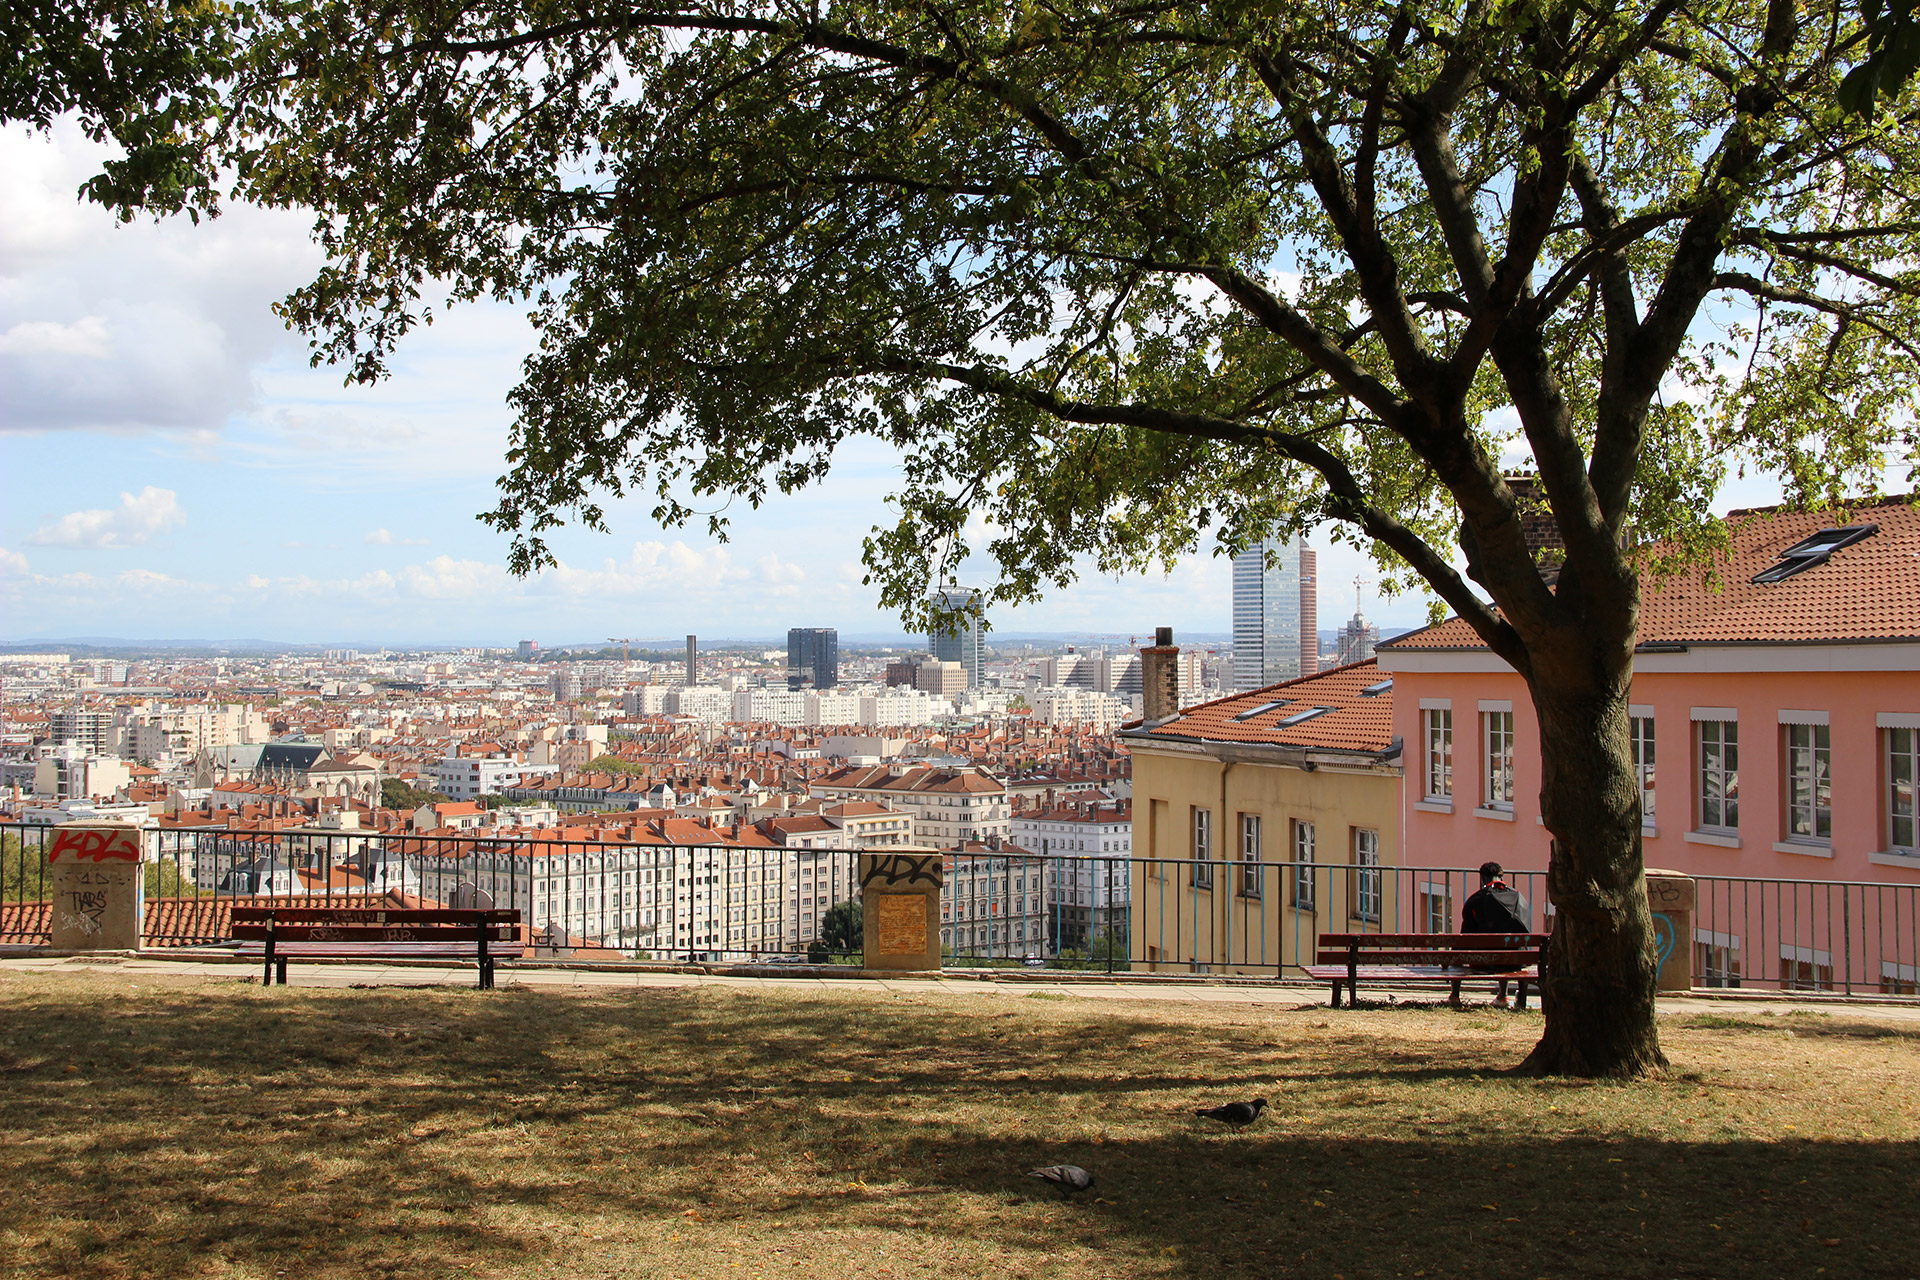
(1776, 729)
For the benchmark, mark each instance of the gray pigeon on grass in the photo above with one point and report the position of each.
(1235, 1115)
(1068, 1177)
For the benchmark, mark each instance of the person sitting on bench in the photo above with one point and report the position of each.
(1495, 909)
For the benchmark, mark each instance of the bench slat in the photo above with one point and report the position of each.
(407, 950)
(375, 933)
(1430, 941)
(1411, 956)
(355, 915)
(1418, 973)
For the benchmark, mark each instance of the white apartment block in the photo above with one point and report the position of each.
(948, 806)
(470, 777)
(1016, 904)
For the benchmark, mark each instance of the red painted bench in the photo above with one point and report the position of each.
(1348, 959)
(279, 934)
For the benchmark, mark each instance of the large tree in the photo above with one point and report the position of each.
(1125, 277)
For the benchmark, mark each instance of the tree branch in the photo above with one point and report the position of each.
(1349, 500)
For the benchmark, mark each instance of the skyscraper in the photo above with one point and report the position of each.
(960, 642)
(1276, 617)
(813, 657)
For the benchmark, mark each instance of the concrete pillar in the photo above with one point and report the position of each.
(1670, 896)
(95, 869)
(900, 910)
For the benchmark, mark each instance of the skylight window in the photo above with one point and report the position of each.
(1263, 708)
(1814, 550)
(1375, 690)
(1300, 717)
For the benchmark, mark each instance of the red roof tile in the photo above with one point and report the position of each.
(1864, 592)
(1357, 721)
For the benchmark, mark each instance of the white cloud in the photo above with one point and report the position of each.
(379, 538)
(86, 336)
(139, 518)
(444, 578)
(136, 326)
(13, 562)
(778, 572)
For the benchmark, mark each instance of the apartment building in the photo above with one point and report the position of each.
(949, 806)
(1775, 729)
(1062, 884)
(1242, 805)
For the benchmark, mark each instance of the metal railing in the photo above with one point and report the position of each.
(1849, 937)
(588, 901)
(1219, 916)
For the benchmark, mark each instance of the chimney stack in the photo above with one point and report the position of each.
(1160, 678)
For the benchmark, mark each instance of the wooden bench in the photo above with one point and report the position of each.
(1347, 959)
(280, 934)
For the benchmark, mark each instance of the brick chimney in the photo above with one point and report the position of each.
(1160, 678)
(1537, 525)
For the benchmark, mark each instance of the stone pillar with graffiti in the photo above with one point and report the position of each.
(1670, 898)
(95, 872)
(900, 908)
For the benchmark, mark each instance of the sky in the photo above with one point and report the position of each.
(175, 470)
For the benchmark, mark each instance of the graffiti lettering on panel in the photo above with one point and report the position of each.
(95, 874)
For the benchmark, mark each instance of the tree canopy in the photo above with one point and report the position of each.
(1114, 275)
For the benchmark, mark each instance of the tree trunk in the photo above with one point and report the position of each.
(1601, 962)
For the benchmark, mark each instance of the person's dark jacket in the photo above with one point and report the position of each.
(1495, 909)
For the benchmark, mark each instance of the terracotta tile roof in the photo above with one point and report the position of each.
(1867, 591)
(1357, 722)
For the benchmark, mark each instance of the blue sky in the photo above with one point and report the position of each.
(174, 469)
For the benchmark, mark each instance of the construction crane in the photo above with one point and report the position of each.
(625, 666)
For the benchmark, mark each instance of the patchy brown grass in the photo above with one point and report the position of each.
(223, 1130)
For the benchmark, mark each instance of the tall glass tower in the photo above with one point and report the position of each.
(813, 657)
(961, 643)
(1276, 617)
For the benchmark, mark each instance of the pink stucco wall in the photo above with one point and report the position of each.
(1853, 701)
(1771, 911)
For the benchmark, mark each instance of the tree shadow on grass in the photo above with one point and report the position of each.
(424, 1133)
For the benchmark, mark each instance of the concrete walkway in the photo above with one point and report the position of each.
(1300, 997)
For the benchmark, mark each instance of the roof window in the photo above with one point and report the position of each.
(1262, 709)
(1814, 550)
(1300, 717)
(1375, 690)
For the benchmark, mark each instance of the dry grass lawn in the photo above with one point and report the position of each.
(224, 1130)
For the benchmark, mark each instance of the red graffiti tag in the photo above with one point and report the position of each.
(95, 845)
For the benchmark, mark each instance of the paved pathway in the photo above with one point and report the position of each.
(346, 975)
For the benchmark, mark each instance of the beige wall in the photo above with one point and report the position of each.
(1225, 929)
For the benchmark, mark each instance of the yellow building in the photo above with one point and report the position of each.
(1263, 820)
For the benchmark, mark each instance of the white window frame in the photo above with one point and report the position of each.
(1202, 836)
(1807, 756)
(1252, 879)
(1714, 811)
(1301, 897)
(1366, 890)
(1496, 759)
(1640, 735)
(1902, 757)
(1436, 752)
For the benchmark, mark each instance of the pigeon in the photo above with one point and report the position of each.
(1068, 1177)
(1235, 1115)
